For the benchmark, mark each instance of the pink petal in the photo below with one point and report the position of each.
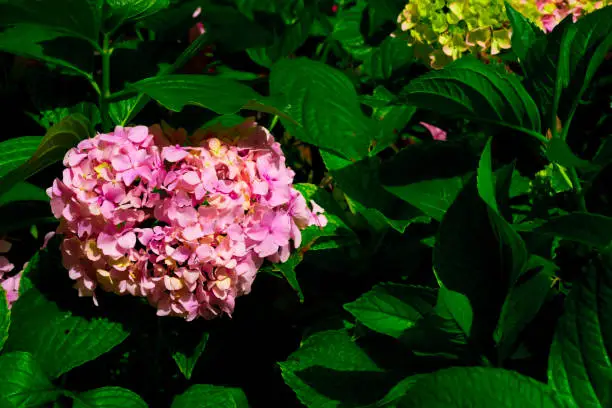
(138, 134)
(436, 132)
(127, 241)
(174, 153)
(121, 162)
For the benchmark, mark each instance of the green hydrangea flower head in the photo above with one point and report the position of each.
(444, 30)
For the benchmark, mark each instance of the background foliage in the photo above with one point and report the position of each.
(468, 272)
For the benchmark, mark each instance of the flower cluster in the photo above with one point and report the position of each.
(443, 30)
(10, 283)
(186, 227)
(548, 13)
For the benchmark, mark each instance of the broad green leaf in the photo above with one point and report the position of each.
(211, 396)
(474, 387)
(559, 152)
(5, 318)
(222, 96)
(470, 89)
(347, 31)
(287, 42)
(33, 41)
(523, 302)
(391, 119)
(391, 308)
(122, 112)
(486, 179)
(187, 362)
(331, 370)
(392, 55)
(23, 383)
(125, 10)
(454, 306)
(324, 103)
(477, 249)
(579, 364)
(581, 54)
(360, 183)
(15, 152)
(57, 338)
(53, 146)
(589, 229)
(77, 18)
(524, 32)
(288, 270)
(108, 397)
(429, 176)
(23, 191)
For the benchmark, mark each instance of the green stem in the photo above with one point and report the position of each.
(104, 97)
(273, 123)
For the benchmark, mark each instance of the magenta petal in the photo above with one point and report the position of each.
(436, 132)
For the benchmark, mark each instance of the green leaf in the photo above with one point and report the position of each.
(361, 184)
(347, 31)
(429, 176)
(446, 331)
(589, 229)
(57, 338)
(486, 179)
(392, 55)
(579, 364)
(122, 112)
(49, 118)
(23, 191)
(23, 383)
(223, 96)
(392, 119)
(108, 397)
(470, 89)
(331, 370)
(52, 148)
(77, 18)
(524, 32)
(324, 103)
(288, 270)
(5, 318)
(42, 43)
(559, 152)
(211, 396)
(287, 42)
(124, 10)
(17, 151)
(186, 363)
(391, 308)
(474, 387)
(580, 54)
(523, 303)
(476, 249)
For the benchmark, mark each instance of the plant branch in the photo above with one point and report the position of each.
(104, 97)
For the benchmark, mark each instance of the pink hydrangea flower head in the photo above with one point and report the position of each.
(185, 225)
